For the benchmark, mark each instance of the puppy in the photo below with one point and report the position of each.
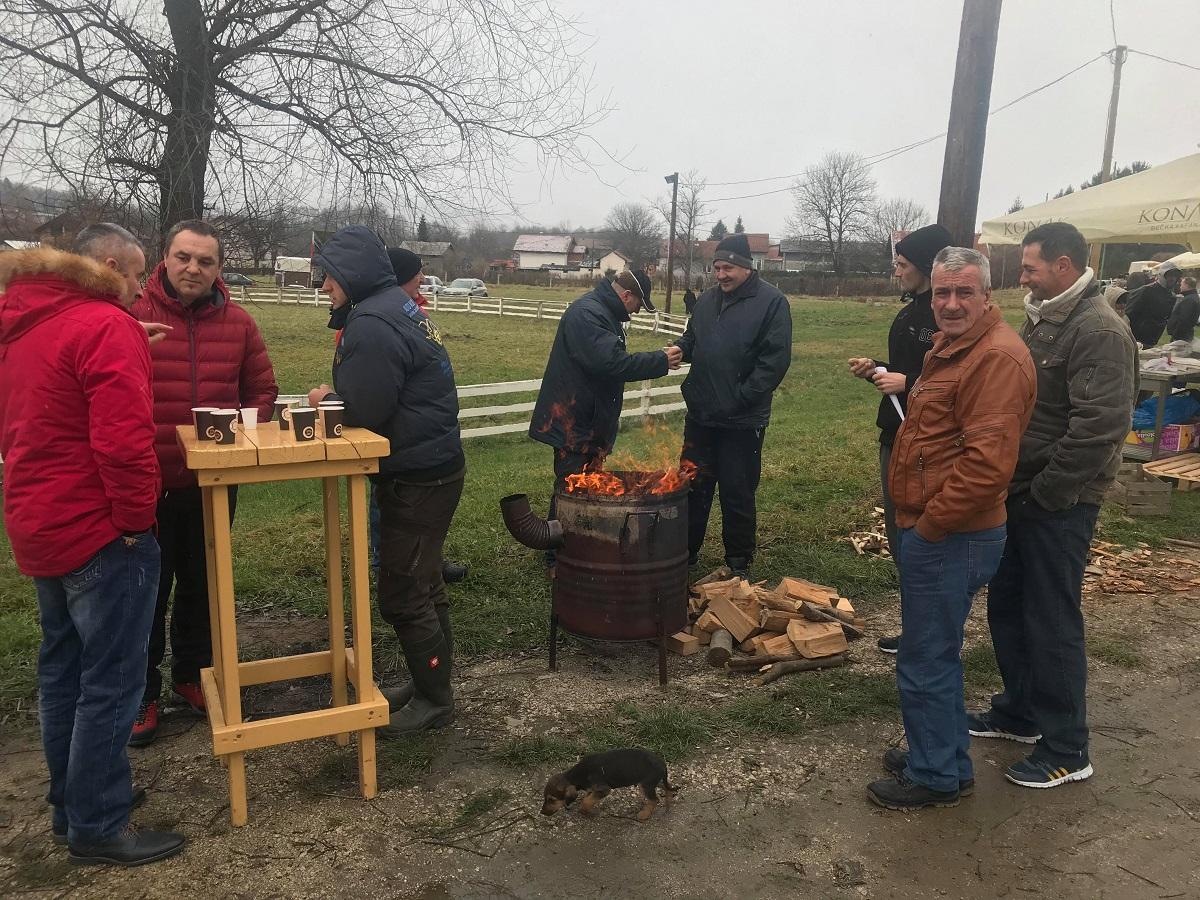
(598, 773)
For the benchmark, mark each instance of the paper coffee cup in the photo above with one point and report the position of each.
(249, 415)
(331, 403)
(331, 420)
(224, 424)
(304, 422)
(282, 408)
(202, 419)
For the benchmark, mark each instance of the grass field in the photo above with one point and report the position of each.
(820, 480)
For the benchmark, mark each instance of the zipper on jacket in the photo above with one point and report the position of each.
(192, 359)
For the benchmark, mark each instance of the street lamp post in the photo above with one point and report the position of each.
(672, 180)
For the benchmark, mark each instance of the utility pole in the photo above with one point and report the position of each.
(672, 180)
(966, 134)
(1110, 135)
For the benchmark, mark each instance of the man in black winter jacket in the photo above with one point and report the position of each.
(911, 336)
(578, 409)
(1148, 308)
(393, 373)
(739, 342)
(1182, 324)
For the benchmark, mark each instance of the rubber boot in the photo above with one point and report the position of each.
(398, 696)
(432, 703)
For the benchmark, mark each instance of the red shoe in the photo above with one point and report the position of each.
(192, 695)
(145, 726)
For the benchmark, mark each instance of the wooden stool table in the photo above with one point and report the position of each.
(262, 455)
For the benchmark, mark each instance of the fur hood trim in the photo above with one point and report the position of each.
(92, 276)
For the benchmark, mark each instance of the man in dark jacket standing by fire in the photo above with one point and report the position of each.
(392, 371)
(578, 409)
(213, 356)
(739, 342)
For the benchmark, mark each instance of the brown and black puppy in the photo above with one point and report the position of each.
(598, 773)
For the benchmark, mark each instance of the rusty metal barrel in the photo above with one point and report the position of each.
(622, 569)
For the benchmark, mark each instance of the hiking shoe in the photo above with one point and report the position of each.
(895, 761)
(193, 696)
(139, 797)
(902, 795)
(129, 848)
(980, 724)
(453, 572)
(890, 644)
(145, 726)
(1032, 772)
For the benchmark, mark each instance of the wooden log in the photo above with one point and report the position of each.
(814, 639)
(683, 643)
(757, 642)
(720, 648)
(801, 589)
(815, 613)
(777, 619)
(747, 646)
(734, 619)
(718, 574)
(779, 669)
(783, 604)
(844, 604)
(1175, 542)
(778, 645)
(704, 637)
(708, 622)
(748, 664)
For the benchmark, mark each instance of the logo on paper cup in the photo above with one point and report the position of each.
(337, 430)
(309, 432)
(212, 432)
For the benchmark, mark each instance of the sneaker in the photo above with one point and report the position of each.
(980, 724)
(902, 795)
(895, 761)
(1032, 772)
(193, 695)
(129, 848)
(890, 644)
(145, 726)
(453, 572)
(139, 797)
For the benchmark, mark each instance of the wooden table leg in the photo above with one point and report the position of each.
(210, 565)
(360, 620)
(1164, 391)
(230, 684)
(337, 612)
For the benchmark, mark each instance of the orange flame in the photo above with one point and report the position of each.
(651, 472)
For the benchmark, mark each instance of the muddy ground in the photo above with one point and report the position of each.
(754, 817)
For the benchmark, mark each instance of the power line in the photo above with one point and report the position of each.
(885, 155)
(1173, 62)
(1112, 17)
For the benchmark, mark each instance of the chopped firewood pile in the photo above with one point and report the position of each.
(795, 627)
(874, 540)
(1114, 569)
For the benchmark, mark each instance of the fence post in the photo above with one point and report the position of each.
(501, 307)
(279, 290)
(645, 402)
(468, 302)
(656, 322)
(539, 314)
(435, 296)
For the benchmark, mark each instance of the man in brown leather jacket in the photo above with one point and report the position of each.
(949, 473)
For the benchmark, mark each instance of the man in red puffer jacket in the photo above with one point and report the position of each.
(212, 356)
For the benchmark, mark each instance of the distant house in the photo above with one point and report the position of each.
(437, 257)
(293, 271)
(546, 251)
(812, 255)
(61, 229)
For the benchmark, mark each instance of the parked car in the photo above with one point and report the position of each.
(431, 286)
(236, 279)
(465, 287)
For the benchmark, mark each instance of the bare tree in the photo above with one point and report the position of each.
(691, 212)
(634, 230)
(890, 216)
(832, 203)
(176, 101)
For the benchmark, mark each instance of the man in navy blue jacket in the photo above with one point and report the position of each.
(739, 342)
(392, 371)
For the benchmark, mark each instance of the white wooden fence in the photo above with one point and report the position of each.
(548, 310)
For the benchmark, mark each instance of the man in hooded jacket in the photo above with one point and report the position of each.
(393, 373)
(1149, 307)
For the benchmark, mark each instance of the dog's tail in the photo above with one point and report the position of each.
(668, 788)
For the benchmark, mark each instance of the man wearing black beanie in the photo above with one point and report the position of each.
(910, 338)
(739, 342)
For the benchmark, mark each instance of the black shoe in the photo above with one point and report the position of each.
(129, 848)
(895, 761)
(398, 697)
(453, 572)
(139, 797)
(981, 724)
(890, 644)
(1037, 773)
(432, 703)
(902, 795)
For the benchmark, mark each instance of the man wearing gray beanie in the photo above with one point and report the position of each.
(910, 338)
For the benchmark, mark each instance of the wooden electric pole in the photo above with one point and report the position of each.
(673, 181)
(967, 131)
(1110, 131)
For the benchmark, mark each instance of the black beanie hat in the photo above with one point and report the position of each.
(405, 264)
(921, 246)
(735, 248)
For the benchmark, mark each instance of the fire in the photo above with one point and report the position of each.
(649, 472)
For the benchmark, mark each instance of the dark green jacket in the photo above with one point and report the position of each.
(1086, 364)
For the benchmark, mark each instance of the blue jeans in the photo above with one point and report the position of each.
(91, 674)
(1036, 619)
(937, 584)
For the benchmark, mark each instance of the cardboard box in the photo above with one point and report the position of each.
(1175, 438)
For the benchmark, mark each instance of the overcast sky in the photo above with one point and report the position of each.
(748, 89)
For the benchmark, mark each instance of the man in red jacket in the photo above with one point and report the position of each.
(80, 489)
(212, 356)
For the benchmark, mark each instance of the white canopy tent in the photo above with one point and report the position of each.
(1186, 260)
(1160, 205)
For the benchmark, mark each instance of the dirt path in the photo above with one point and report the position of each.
(755, 817)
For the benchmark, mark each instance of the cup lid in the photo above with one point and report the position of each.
(297, 409)
(205, 409)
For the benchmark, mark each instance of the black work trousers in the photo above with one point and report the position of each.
(184, 569)
(567, 462)
(729, 461)
(1036, 619)
(414, 520)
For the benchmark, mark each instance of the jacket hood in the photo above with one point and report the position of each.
(40, 284)
(358, 261)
